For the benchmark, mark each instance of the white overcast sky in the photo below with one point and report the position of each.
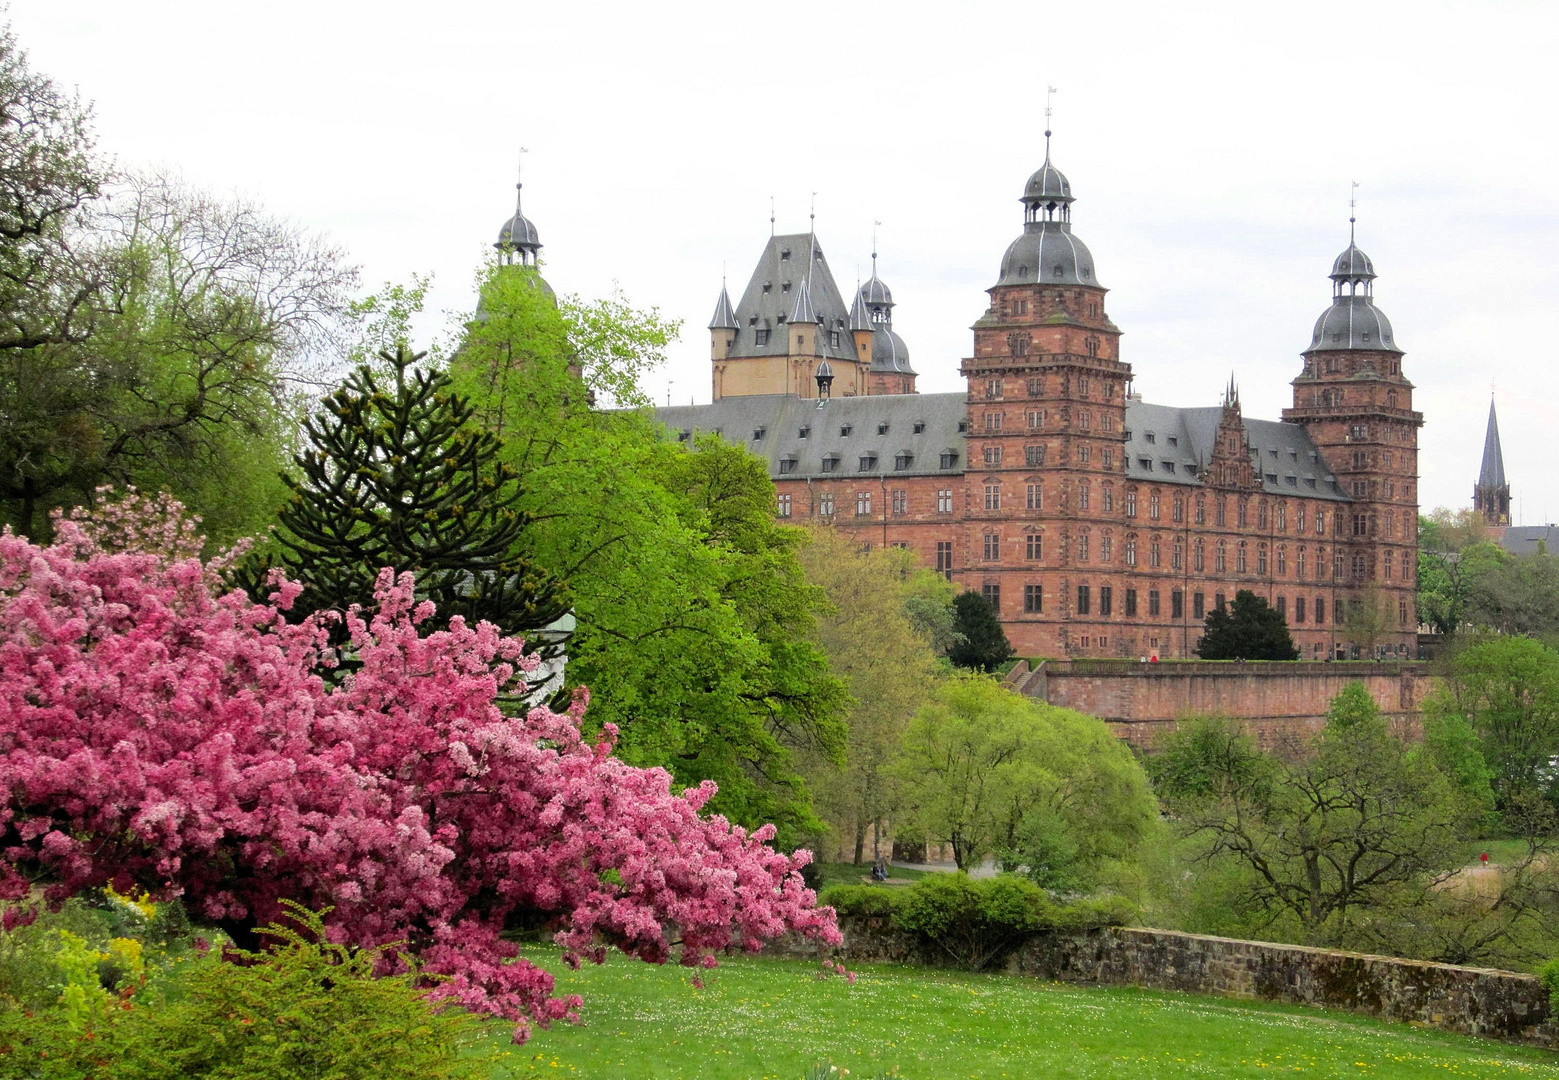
(1210, 147)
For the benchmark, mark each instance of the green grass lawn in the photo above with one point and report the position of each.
(772, 1018)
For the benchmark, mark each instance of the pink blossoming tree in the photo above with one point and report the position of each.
(160, 732)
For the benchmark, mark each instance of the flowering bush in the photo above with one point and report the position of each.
(160, 733)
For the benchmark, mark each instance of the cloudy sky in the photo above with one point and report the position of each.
(1211, 148)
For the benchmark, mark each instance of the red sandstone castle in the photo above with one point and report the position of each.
(1095, 523)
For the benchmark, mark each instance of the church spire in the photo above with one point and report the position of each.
(1491, 495)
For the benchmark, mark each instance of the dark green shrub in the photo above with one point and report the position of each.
(977, 921)
(858, 900)
(1548, 974)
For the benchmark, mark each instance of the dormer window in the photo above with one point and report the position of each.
(803, 433)
(761, 337)
(1148, 436)
(785, 253)
(920, 427)
(948, 459)
(758, 433)
(767, 285)
(833, 339)
(903, 460)
(684, 435)
(882, 429)
(830, 462)
(868, 462)
(845, 429)
(784, 286)
(787, 465)
(963, 427)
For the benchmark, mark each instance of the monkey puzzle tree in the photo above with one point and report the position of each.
(396, 475)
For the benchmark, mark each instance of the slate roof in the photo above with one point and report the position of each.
(782, 417)
(772, 294)
(1492, 472)
(1352, 322)
(1182, 440)
(1047, 254)
(1528, 539)
(724, 317)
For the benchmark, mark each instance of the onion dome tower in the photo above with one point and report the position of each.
(1357, 406)
(890, 371)
(518, 240)
(1047, 253)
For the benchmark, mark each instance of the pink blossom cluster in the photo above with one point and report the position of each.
(159, 732)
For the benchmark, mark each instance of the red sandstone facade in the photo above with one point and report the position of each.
(1099, 525)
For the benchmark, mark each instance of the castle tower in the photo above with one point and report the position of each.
(890, 372)
(1491, 495)
(790, 318)
(1358, 408)
(1046, 422)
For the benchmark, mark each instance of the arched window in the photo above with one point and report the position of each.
(1131, 549)
(1199, 556)
(1153, 501)
(1179, 510)
(1221, 561)
(1107, 498)
(1261, 559)
(1261, 515)
(1240, 562)
(1106, 547)
(1282, 560)
(1082, 494)
(1154, 558)
(1201, 510)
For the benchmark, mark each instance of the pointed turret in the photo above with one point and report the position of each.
(1491, 494)
(724, 317)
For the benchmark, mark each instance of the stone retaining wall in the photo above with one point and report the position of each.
(1471, 1001)
(1278, 701)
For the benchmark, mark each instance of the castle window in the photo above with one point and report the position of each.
(783, 507)
(992, 547)
(1036, 497)
(1087, 420)
(1106, 602)
(803, 433)
(1261, 516)
(1153, 503)
(845, 429)
(784, 254)
(948, 459)
(1131, 603)
(882, 429)
(1244, 514)
(1299, 564)
(1106, 548)
(993, 388)
(868, 462)
(1198, 557)
(1299, 609)
(1261, 559)
(1092, 345)
(1084, 453)
(1282, 560)
(1057, 270)
(1282, 517)
(1283, 607)
(1177, 604)
(1036, 386)
(903, 460)
(825, 504)
(863, 504)
(1201, 510)
(1036, 419)
(1167, 466)
(1131, 502)
(833, 339)
(1033, 455)
(944, 500)
(1131, 551)
(1083, 600)
(1106, 422)
(1175, 556)
(1320, 609)
(784, 286)
(993, 496)
(761, 337)
(1221, 561)
(1082, 548)
(1240, 563)
(1033, 599)
(830, 462)
(758, 433)
(1178, 513)
(1153, 605)
(1033, 547)
(1109, 457)
(900, 502)
(1107, 499)
(991, 590)
(993, 455)
(684, 435)
(1387, 565)
(1148, 436)
(1198, 606)
(944, 558)
(963, 426)
(787, 464)
(1082, 494)
(993, 421)
(920, 427)
(1218, 601)
(1358, 567)
(1154, 559)
(1145, 464)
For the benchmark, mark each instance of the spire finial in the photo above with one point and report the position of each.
(1050, 92)
(874, 247)
(812, 215)
(519, 179)
(771, 217)
(1353, 203)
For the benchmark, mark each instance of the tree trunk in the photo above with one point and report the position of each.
(860, 841)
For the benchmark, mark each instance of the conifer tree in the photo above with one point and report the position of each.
(983, 643)
(1251, 629)
(396, 475)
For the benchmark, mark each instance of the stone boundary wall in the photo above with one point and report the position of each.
(1470, 1001)
(1280, 701)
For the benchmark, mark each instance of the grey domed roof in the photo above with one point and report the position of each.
(1353, 322)
(1352, 265)
(518, 232)
(889, 353)
(876, 292)
(1049, 184)
(1047, 254)
(825, 370)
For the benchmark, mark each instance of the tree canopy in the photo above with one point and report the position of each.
(1048, 791)
(1250, 629)
(671, 552)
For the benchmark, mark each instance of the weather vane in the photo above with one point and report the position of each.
(1353, 203)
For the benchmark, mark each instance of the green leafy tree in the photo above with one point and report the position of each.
(1505, 690)
(1046, 790)
(979, 642)
(1454, 552)
(1516, 594)
(695, 621)
(1250, 629)
(885, 658)
(396, 475)
(1324, 841)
